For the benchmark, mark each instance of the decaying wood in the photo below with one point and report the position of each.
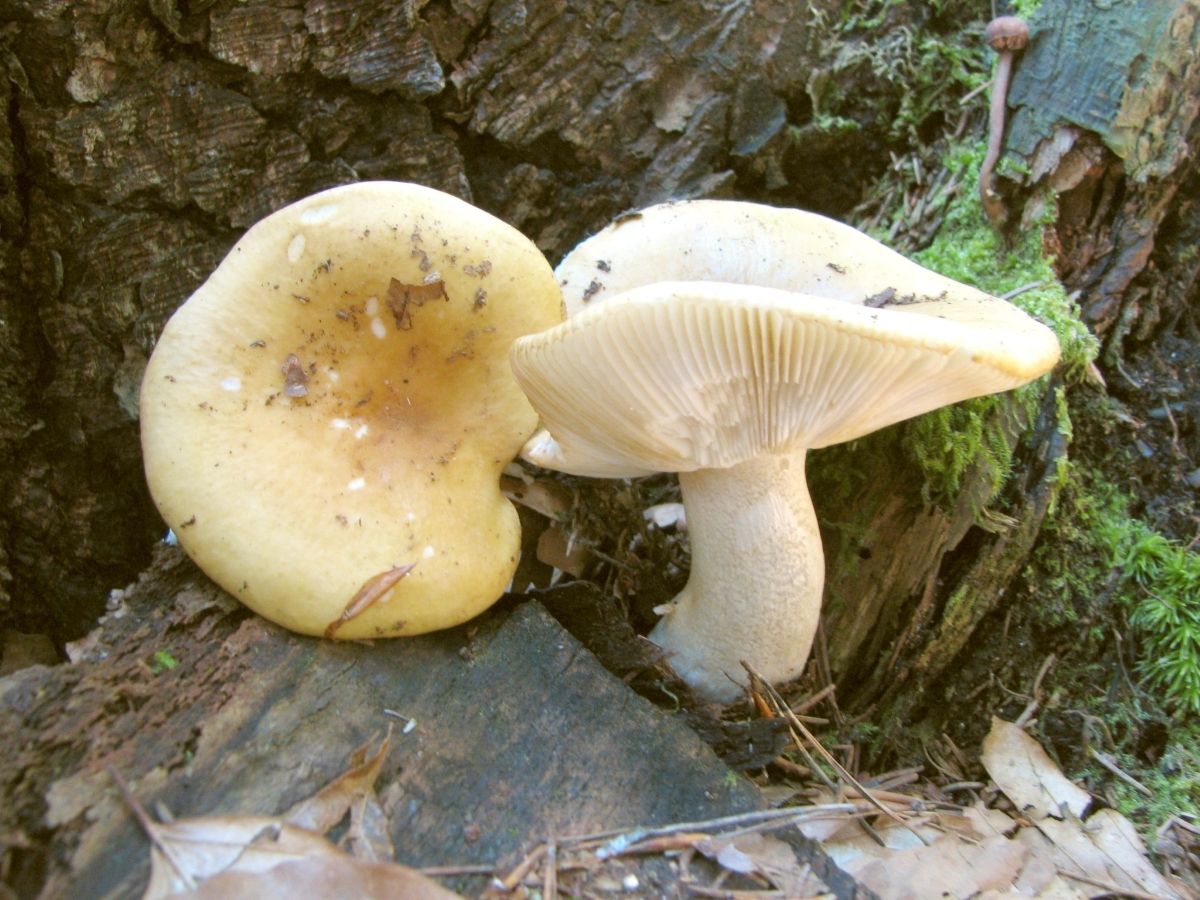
(507, 732)
(1105, 106)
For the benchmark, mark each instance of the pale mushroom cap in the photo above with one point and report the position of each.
(745, 243)
(398, 304)
(703, 332)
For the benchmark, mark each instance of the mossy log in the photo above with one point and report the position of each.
(142, 138)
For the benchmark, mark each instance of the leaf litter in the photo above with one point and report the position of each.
(285, 856)
(1026, 834)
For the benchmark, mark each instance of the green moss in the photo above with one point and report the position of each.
(1161, 582)
(1174, 782)
(950, 442)
(1026, 8)
(949, 445)
(162, 661)
(938, 70)
(1093, 553)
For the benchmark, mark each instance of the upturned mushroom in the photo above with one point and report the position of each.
(325, 420)
(723, 340)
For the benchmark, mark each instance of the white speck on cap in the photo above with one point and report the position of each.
(233, 384)
(319, 214)
(357, 484)
(372, 306)
(378, 328)
(296, 248)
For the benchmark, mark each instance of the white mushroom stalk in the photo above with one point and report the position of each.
(755, 544)
(724, 340)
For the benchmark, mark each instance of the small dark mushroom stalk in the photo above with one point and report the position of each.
(1008, 36)
(723, 340)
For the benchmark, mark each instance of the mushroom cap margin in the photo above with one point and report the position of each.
(679, 376)
(392, 457)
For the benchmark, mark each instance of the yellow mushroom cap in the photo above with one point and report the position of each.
(325, 420)
(705, 333)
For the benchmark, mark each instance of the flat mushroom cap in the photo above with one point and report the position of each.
(335, 405)
(783, 330)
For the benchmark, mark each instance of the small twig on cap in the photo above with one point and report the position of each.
(369, 594)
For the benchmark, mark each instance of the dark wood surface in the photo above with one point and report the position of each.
(519, 734)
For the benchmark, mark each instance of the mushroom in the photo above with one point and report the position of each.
(325, 420)
(722, 340)
(1007, 35)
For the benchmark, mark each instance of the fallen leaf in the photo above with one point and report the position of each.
(949, 867)
(988, 821)
(321, 878)
(329, 805)
(1105, 848)
(759, 854)
(548, 498)
(556, 550)
(190, 851)
(369, 837)
(1028, 776)
(826, 828)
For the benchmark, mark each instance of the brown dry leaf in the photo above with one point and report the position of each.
(1105, 848)
(828, 827)
(329, 805)
(190, 851)
(322, 878)
(369, 837)
(988, 821)
(1057, 888)
(548, 498)
(949, 867)
(556, 550)
(760, 854)
(1027, 775)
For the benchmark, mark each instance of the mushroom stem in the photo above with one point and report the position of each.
(996, 116)
(754, 593)
(1007, 35)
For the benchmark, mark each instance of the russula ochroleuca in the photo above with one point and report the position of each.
(324, 422)
(723, 340)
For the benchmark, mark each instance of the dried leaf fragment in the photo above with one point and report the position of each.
(403, 298)
(1028, 776)
(295, 379)
(190, 851)
(371, 591)
(329, 805)
(319, 878)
